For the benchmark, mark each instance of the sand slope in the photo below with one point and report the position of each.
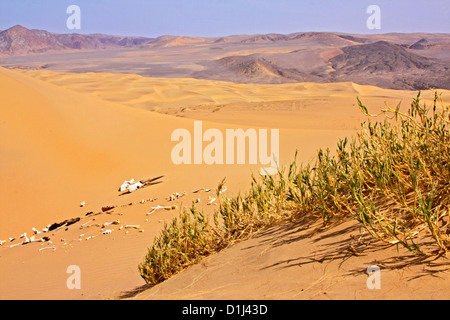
(67, 138)
(303, 260)
(60, 148)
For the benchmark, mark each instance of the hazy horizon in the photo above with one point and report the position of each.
(216, 18)
(225, 35)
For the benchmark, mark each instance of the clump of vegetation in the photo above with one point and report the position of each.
(393, 177)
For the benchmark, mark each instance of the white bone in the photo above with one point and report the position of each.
(15, 245)
(82, 226)
(132, 226)
(125, 185)
(42, 249)
(110, 223)
(133, 187)
(107, 231)
(154, 209)
(162, 207)
(130, 186)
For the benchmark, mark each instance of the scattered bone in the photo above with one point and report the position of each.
(2, 242)
(176, 196)
(198, 190)
(154, 209)
(26, 238)
(83, 204)
(84, 224)
(107, 208)
(134, 187)
(115, 213)
(207, 190)
(168, 208)
(46, 248)
(35, 231)
(128, 226)
(29, 240)
(197, 200)
(223, 190)
(107, 231)
(11, 239)
(110, 223)
(140, 202)
(211, 200)
(67, 223)
(125, 185)
(92, 225)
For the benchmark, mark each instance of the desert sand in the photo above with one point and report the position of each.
(68, 138)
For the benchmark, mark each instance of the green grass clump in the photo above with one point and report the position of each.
(393, 177)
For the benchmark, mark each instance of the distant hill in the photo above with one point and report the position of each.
(379, 57)
(250, 69)
(384, 63)
(19, 40)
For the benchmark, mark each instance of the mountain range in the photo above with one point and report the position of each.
(395, 61)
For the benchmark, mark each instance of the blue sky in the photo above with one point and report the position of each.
(153, 18)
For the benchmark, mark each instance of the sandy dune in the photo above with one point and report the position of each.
(67, 138)
(202, 99)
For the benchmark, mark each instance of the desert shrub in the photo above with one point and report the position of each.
(393, 177)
